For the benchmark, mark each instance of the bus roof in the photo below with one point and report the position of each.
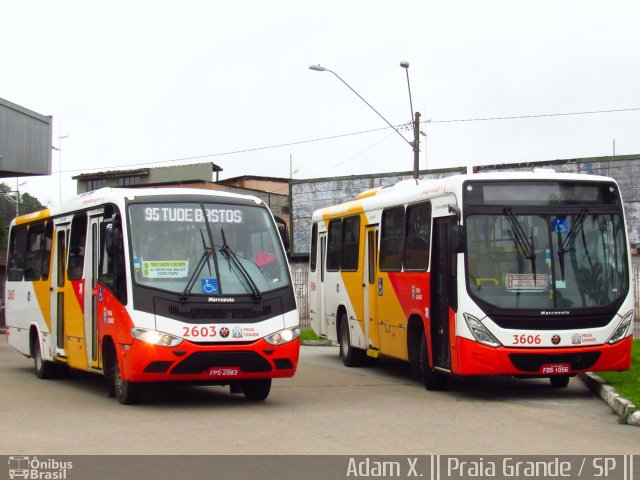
(413, 190)
(117, 195)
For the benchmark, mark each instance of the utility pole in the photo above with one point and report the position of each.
(416, 145)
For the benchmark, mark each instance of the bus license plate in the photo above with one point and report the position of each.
(223, 372)
(555, 368)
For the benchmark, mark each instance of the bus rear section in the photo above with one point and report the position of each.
(521, 274)
(160, 285)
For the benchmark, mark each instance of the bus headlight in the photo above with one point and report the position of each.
(283, 336)
(154, 337)
(622, 329)
(480, 332)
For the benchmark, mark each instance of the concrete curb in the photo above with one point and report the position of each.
(620, 405)
(318, 343)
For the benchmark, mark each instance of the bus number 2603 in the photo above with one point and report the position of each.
(199, 331)
(527, 340)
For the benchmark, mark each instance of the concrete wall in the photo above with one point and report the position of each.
(308, 195)
(625, 169)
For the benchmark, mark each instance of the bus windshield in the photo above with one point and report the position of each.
(546, 261)
(207, 249)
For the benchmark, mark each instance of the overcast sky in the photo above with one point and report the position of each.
(163, 83)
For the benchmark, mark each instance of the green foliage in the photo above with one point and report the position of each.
(28, 204)
(627, 383)
(309, 335)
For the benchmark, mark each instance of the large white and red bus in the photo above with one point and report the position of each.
(154, 285)
(521, 274)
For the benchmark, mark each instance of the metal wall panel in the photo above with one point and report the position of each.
(25, 141)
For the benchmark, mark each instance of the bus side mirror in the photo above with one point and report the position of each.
(456, 238)
(284, 233)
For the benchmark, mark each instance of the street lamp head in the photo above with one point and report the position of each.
(317, 68)
(404, 64)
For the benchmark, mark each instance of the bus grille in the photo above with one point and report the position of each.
(202, 313)
(532, 362)
(201, 362)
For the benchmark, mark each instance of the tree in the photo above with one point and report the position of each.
(28, 204)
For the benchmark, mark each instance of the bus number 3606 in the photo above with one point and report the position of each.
(199, 331)
(527, 340)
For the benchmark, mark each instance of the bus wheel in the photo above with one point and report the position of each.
(559, 381)
(256, 390)
(432, 380)
(351, 357)
(42, 368)
(126, 392)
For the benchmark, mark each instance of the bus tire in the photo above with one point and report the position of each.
(432, 380)
(559, 381)
(42, 368)
(351, 357)
(256, 390)
(127, 393)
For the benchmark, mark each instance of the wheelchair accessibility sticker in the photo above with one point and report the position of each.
(209, 285)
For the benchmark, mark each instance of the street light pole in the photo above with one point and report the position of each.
(416, 126)
(318, 68)
(415, 144)
(59, 149)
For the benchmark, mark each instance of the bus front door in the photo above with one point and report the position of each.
(442, 293)
(58, 278)
(322, 310)
(91, 281)
(370, 294)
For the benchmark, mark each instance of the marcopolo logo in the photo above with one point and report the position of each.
(38, 469)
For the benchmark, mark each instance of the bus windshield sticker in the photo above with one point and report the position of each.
(519, 282)
(165, 268)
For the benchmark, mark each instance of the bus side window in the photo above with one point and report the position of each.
(350, 243)
(392, 239)
(334, 246)
(33, 259)
(17, 250)
(314, 247)
(75, 264)
(416, 240)
(46, 249)
(112, 261)
(106, 255)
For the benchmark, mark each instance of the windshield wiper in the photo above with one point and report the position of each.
(525, 244)
(209, 251)
(204, 258)
(233, 258)
(566, 244)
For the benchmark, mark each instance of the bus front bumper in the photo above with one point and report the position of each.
(477, 359)
(218, 363)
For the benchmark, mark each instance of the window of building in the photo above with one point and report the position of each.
(95, 184)
(128, 181)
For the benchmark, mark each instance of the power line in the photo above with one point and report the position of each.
(343, 135)
(542, 115)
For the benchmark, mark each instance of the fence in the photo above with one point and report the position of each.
(636, 304)
(300, 276)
